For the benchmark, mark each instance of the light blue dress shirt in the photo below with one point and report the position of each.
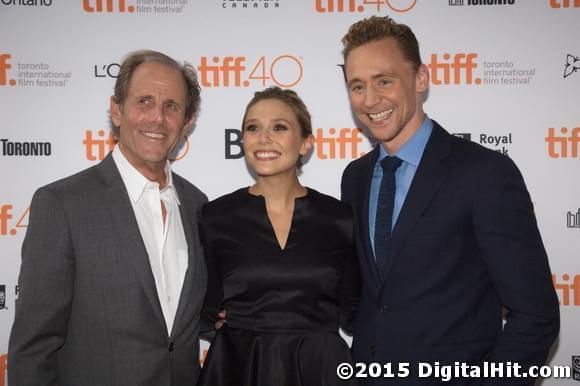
(410, 153)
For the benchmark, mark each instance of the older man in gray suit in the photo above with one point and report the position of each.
(112, 277)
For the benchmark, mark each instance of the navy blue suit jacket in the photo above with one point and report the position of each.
(465, 249)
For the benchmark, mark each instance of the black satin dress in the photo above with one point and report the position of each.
(284, 306)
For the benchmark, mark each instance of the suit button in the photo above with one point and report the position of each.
(373, 350)
(171, 346)
(383, 309)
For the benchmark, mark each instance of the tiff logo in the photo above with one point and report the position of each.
(4, 67)
(324, 6)
(563, 146)
(453, 69)
(5, 223)
(568, 289)
(564, 3)
(238, 71)
(338, 143)
(5, 216)
(573, 219)
(96, 148)
(210, 74)
(100, 6)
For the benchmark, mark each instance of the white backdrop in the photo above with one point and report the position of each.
(503, 74)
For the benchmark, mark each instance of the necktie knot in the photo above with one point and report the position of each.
(390, 164)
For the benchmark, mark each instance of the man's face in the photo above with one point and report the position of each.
(385, 92)
(152, 118)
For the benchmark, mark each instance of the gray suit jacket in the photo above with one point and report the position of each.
(88, 312)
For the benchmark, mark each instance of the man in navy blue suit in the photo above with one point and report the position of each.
(445, 230)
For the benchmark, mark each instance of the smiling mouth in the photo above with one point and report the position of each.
(266, 155)
(153, 135)
(380, 115)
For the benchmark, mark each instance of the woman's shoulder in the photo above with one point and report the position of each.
(224, 204)
(328, 203)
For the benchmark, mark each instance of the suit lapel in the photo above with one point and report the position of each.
(426, 182)
(193, 253)
(363, 185)
(123, 218)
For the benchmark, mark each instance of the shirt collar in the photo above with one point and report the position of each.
(135, 182)
(412, 150)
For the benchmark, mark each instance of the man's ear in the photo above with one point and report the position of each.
(188, 125)
(422, 79)
(115, 111)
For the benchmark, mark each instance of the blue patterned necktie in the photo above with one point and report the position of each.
(384, 216)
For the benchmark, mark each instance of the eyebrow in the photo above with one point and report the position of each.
(373, 77)
(275, 120)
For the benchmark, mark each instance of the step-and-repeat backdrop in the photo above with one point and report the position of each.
(504, 73)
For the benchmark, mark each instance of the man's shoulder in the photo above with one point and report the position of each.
(361, 163)
(188, 190)
(83, 189)
(79, 182)
(470, 153)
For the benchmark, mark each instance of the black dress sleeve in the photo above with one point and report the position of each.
(214, 295)
(350, 287)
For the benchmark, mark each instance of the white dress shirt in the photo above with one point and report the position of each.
(165, 243)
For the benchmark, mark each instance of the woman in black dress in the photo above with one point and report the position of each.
(281, 262)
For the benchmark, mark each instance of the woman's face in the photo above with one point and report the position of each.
(272, 138)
